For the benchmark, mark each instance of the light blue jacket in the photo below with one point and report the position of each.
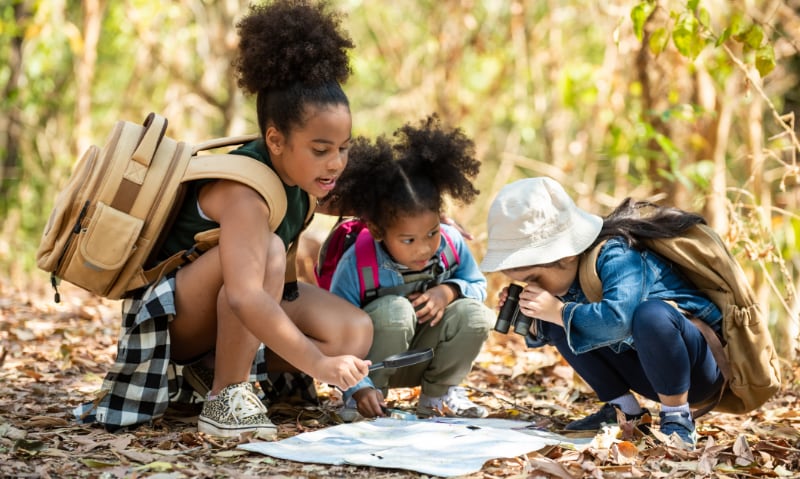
(466, 275)
(629, 277)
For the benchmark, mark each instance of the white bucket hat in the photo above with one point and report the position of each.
(533, 222)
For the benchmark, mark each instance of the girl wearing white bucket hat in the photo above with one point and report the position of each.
(634, 339)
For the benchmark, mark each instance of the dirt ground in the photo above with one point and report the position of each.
(53, 357)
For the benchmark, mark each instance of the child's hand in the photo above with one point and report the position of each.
(343, 372)
(535, 302)
(501, 297)
(370, 402)
(430, 305)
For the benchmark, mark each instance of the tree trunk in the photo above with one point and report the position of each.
(716, 209)
(11, 122)
(84, 72)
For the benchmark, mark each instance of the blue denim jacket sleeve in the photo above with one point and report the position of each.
(629, 277)
(364, 383)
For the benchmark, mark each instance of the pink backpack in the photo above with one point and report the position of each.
(353, 231)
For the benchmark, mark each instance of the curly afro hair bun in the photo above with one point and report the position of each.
(407, 173)
(285, 42)
(445, 155)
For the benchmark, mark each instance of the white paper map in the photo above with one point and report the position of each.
(443, 447)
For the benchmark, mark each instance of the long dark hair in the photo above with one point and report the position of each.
(638, 220)
(292, 54)
(408, 173)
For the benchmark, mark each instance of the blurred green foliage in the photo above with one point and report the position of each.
(680, 101)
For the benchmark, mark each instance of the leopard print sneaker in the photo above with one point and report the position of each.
(236, 409)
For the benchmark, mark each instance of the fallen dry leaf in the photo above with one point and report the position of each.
(46, 421)
(65, 349)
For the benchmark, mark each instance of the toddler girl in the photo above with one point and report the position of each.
(423, 300)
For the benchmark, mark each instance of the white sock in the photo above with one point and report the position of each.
(628, 404)
(682, 408)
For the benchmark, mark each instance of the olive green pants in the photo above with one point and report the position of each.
(456, 340)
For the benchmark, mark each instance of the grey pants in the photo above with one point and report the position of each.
(456, 341)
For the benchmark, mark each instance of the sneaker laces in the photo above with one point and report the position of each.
(243, 403)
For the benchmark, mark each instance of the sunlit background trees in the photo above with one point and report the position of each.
(687, 102)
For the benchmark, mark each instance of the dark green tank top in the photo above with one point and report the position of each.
(189, 222)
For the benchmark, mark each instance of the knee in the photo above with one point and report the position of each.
(650, 316)
(392, 313)
(360, 333)
(471, 315)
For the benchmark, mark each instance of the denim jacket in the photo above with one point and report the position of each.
(629, 277)
(466, 275)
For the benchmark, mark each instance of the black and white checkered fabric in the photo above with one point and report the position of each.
(140, 385)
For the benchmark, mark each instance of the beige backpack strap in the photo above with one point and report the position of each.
(587, 274)
(715, 345)
(224, 141)
(239, 168)
(245, 170)
(203, 241)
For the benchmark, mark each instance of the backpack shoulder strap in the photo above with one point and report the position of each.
(587, 274)
(449, 254)
(224, 141)
(239, 168)
(245, 170)
(366, 264)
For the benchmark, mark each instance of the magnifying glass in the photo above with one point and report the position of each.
(408, 358)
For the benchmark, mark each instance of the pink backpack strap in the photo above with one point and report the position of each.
(366, 263)
(452, 259)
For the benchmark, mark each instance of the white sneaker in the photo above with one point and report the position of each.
(453, 404)
(235, 410)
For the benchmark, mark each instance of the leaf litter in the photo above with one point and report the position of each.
(53, 357)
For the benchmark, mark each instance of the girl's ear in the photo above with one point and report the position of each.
(274, 140)
(568, 260)
(375, 231)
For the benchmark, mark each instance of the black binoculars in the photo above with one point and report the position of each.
(510, 316)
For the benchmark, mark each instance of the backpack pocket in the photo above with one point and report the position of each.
(66, 213)
(103, 248)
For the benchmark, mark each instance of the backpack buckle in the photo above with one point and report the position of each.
(190, 255)
(370, 295)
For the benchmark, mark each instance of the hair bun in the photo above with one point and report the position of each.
(291, 41)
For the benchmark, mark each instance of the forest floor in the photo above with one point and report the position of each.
(53, 357)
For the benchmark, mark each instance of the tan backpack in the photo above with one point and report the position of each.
(107, 222)
(746, 355)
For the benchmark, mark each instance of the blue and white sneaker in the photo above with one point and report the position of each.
(680, 423)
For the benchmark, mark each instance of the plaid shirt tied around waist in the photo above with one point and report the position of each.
(142, 381)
